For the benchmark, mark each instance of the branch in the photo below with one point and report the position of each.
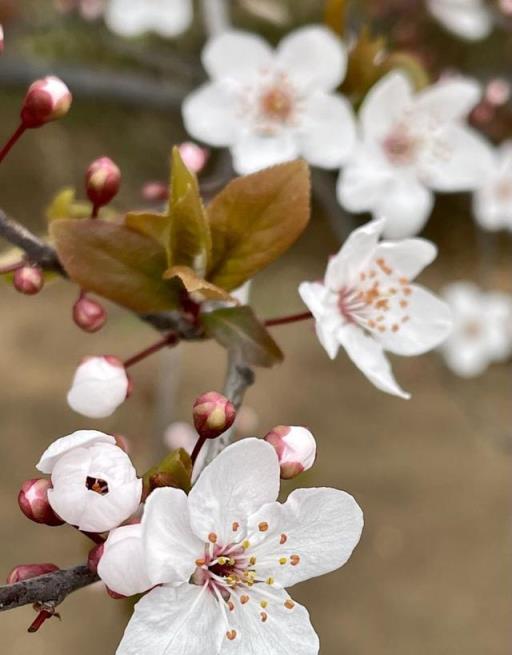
(51, 588)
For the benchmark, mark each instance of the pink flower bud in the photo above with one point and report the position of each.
(102, 181)
(27, 571)
(47, 100)
(1, 39)
(28, 280)
(155, 191)
(93, 559)
(213, 414)
(194, 157)
(88, 314)
(295, 448)
(33, 502)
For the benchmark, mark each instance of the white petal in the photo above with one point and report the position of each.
(253, 152)
(182, 620)
(328, 133)
(67, 443)
(429, 324)
(284, 632)
(106, 512)
(98, 387)
(171, 547)
(464, 298)
(407, 257)
(364, 180)
(172, 17)
(121, 566)
(449, 100)
(237, 55)
(322, 526)
(385, 105)
(470, 20)
(69, 496)
(126, 17)
(466, 358)
(406, 207)
(314, 58)
(498, 318)
(369, 357)
(238, 482)
(209, 115)
(315, 297)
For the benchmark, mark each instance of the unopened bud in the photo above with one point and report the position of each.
(88, 314)
(47, 100)
(102, 181)
(155, 191)
(295, 448)
(213, 414)
(94, 557)
(1, 39)
(33, 502)
(28, 280)
(194, 157)
(27, 571)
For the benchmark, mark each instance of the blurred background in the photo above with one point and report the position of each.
(433, 572)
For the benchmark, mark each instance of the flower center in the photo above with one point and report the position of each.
(276, 103)
(504, 191)
(400, 147)
(97, 485)
(473, 330)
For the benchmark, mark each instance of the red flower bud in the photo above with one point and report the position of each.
(93, 559)
(1, 39)
(28, 280)
(213, 414)
(88, 314)
(47, 100)
(155, 192)
(33, 502)
(27, 571)
(102, 181)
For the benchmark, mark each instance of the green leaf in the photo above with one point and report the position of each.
(116, 263)
(152, 225)
(238, 327)
(175, 470)
(64, 205)
(255, 219)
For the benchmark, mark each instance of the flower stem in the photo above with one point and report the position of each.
(197, 449)
(94, 536)
(294, 318)
(39, 620)
(95, 211)
(169, 340)
(11, 141)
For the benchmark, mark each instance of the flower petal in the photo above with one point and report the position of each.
(238, 482)
(209, 115)
(328, 133)
(364, 180)
(172, 18)
(179, 620)
(406, 206)
(470, 20)
(315, 296)
(449, 100)
(314, 58)
(63, 445)
(237, 55)
(368, 355)
(429, 324)
(407, 257)
(321, 526)
(283, 631)
(106, 512)
(122, 566)
(127, 18)
(170, 545)
(253, 152)
(385, 105)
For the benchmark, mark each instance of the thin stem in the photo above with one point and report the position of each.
(12, 141)
(197, 448)
(39, 620)
(169, 340)
(95, 211)
(294, 318)
(94, 536)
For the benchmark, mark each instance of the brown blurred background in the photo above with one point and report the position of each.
(432, 574)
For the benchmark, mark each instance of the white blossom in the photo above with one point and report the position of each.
(95, 486)
(367, 303)
(482, 331)
(124, 545)
(225, 554)
(492, 204)
(469, 19)
(410, 145)
(168, 18)
(99, 386)
(270, 107)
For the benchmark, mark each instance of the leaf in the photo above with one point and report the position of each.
(115, 262)
(256, 218)
(175, 470)
(335, 15)
(152, 225)
(195, 284)
(238, 327)
(64, 205)
(364, 64)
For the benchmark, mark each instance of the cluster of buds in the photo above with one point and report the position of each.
(88, 314)
(295, 448)
(28, 279)
(46, 100)
(102, 182)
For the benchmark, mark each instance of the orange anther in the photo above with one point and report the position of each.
(235, 526)
(283, 539)
(244, 599)
(294, 560)
(289, 604)
(264, 616)
(263, 527)
(231, 635)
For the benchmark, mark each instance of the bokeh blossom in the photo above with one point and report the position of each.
(469, 19)
(167, 18)
(493, 200)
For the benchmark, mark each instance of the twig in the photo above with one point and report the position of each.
(216, 16)
(49, 588)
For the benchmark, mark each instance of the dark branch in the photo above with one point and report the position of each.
(50, 588)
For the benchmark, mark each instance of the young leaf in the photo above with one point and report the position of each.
(115, 262)
(238, 327)
(175, 470)
(255, 219)
(155, 226)
(195, 284)
(64, 205)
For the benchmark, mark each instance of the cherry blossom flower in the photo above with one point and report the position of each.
(130, 18)
(270, 107)
(99, 386)
(469, 19)
(412, 144)
(492, 204)
(124, 545)
(225, 554)
(95, 486)
(367, 303)
(482, 331)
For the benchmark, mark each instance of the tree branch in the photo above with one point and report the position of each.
(51, 588)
